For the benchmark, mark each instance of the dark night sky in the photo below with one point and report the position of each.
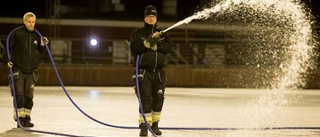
(134, 8)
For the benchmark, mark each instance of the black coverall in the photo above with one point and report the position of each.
(152, 77)
(25, 49)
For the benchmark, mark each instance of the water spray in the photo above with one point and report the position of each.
(293, 52)
(204, 14)
(296, 35)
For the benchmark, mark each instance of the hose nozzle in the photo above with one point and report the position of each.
(157, 34)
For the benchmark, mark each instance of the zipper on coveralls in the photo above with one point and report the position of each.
(29, 46)
(155, 64)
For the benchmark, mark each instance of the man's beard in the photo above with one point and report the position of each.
(30, 28)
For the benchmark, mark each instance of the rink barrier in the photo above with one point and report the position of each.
(177, 76)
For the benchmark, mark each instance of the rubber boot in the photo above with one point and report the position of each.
(21, 119)
(27, 122)
(143, 130)
(155, 128)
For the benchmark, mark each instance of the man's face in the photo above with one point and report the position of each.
(150, 19)
(29, 22)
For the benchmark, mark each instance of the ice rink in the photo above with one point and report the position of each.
(187, 112)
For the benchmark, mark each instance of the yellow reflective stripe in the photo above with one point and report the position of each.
(139, 75)
(156, 116)
(21, 113)
(27, 112)
(148, 118)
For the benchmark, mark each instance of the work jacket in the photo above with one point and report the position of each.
(24, 49)
(150, 59)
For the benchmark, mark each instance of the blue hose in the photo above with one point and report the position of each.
(12, 80)
(65, 91)
(138, 94)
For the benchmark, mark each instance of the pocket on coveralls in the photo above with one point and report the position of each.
(15, 74)
(162, 76)
(141, 73)
(35, 75)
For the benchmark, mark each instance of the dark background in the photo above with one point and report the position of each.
(133, 8)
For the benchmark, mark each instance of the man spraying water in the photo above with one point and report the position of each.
(151, 45)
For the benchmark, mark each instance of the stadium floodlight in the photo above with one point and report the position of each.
(93, 42)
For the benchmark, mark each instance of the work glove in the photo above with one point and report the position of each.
(154, 47)
(44, 39)
(154, 38)
(146, 44)
(10, 64)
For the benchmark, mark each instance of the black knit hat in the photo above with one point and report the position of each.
(150, 10)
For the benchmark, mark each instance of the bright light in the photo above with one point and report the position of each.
(93, 42)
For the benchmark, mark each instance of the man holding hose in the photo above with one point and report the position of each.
(25, 48)
(152, 45)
